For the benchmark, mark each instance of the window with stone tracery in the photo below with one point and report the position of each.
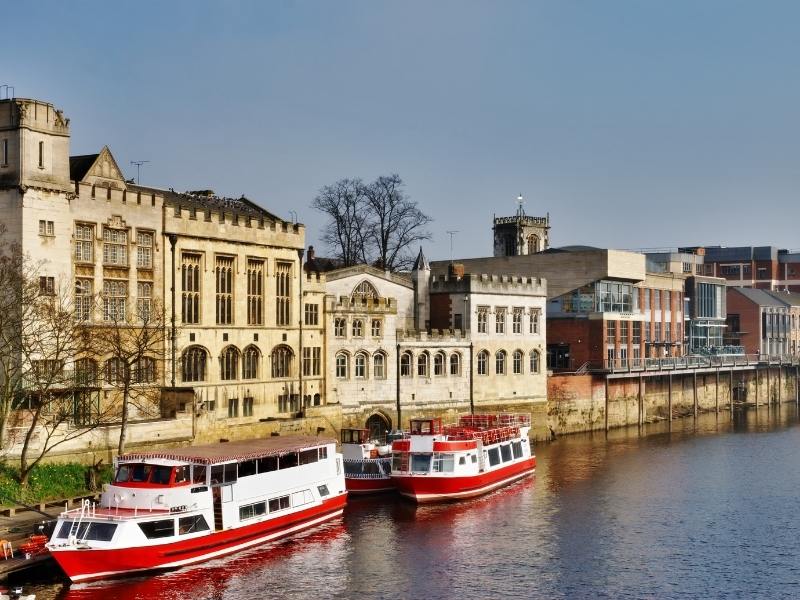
(364, 290)
(190, 288)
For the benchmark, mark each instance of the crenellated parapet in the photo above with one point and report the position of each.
(488, 284)
(349, 304)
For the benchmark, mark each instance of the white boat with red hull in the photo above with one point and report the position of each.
(481, 453)
(182, 506)
(368, 461)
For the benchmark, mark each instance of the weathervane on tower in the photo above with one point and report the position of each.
(521, 234)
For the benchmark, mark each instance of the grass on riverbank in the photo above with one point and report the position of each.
(46, 483)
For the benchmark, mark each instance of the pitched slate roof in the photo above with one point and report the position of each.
(760, 297)
(80, 165)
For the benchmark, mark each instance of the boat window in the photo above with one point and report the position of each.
(308, 456)
(198, 473)
(323, 490)
(420, 463)
(462, 460)
(182, 474)
(160, 475)
(141, 473)
(287, 461)
(247, 468)
(123, 473)
(101, 532)
(505, 450)
(221, 474)
(277, 504)
(400, 461)
(300, 498)
(494, 456)
(517, 448)
(158, 529)
(323, 452)
(268, 463)
(443, 463)
(192, 524)
(474, 458)
(250, 511)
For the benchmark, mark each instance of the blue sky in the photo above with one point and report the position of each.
(634, 123)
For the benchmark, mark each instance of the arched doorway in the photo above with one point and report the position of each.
(378, 426)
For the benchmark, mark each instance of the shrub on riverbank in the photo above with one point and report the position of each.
(47, 483)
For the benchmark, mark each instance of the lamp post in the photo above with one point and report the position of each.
(300, 252)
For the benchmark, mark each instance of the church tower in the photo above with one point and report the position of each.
(520, 235)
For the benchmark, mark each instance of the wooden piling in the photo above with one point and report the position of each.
(606, 411)
(695, 393)
(716, 392)
(669, 397)
(641, 401)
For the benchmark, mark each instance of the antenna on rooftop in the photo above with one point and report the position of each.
(6, 91)
(138, 164)
(451, 234)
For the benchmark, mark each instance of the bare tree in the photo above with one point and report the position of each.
(18, 292)
(346, 230)
(395, 225)
(130, 345)
(39, 339)
(372, 223)
(53, 390)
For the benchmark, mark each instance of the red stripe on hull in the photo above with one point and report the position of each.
(427, 488)
(369, 486)
(92, 564)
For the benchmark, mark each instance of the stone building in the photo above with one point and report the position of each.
(521, 234)
(401, 346)
(245, 322)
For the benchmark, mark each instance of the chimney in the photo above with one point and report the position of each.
(455, 270)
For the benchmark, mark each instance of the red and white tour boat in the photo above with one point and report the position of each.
(367, 463)
(480, 454)
(176, 507)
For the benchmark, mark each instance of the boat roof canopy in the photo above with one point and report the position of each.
(225, 452)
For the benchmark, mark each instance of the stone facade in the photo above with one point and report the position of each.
(233, 265)
(436, 345)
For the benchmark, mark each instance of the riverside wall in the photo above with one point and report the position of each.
(595, 402)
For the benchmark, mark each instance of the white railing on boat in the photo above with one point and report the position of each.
(96, 512)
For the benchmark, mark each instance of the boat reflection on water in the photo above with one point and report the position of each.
(451, 511)
(227, 576)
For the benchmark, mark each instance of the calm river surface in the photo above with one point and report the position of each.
(708, 509)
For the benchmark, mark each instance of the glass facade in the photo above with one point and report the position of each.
(600, 296)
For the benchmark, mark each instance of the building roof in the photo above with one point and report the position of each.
(207, 199)
(789, 298)
(760, 297)
(576, 248)
(80, 165)
(234, 451)
(421, 263)
(740, 253)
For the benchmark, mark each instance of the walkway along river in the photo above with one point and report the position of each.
(704, 508)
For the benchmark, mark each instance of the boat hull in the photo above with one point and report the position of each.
(427, 488)
(369, 486)
(91, 563)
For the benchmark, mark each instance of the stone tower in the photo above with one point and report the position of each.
(521, 234)
(421, 277)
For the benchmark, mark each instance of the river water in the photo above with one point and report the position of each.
(704, 508)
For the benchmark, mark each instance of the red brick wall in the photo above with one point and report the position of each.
(584, 337)
(749, 319)
(440, 311)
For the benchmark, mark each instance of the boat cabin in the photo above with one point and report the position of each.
(426, 426)
(354, 436)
